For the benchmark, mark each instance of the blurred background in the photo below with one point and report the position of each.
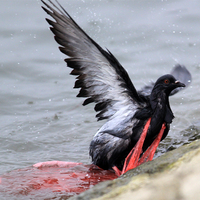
(41, 119)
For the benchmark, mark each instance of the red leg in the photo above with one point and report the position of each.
(149, 153)
(132, 159)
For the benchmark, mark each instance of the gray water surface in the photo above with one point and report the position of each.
(41, 119)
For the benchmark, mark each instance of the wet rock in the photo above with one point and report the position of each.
(174, 175)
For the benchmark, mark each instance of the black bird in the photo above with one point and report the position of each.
(136, 120)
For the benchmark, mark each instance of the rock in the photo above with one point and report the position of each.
(174, 175)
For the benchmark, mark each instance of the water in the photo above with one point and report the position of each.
(40, 117)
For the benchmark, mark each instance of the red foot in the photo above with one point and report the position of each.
(117, 171)
(56, 163)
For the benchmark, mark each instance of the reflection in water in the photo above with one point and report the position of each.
(66, 181)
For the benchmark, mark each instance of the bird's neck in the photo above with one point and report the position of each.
(158, 99)
(159, 102)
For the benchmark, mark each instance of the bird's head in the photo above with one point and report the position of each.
(167, 83)
(160, 94)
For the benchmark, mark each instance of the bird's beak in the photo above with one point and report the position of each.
(179, 84)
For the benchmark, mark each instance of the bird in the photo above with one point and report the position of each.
(136, 121)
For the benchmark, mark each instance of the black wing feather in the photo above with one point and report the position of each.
(101, 78)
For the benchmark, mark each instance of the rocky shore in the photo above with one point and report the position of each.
(173, 176)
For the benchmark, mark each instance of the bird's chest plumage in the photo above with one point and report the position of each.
(161, 113)
(157, 119)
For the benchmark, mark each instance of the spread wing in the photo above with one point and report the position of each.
(181, 74)
(100, 76)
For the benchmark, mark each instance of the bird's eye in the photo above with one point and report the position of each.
(166, 81)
